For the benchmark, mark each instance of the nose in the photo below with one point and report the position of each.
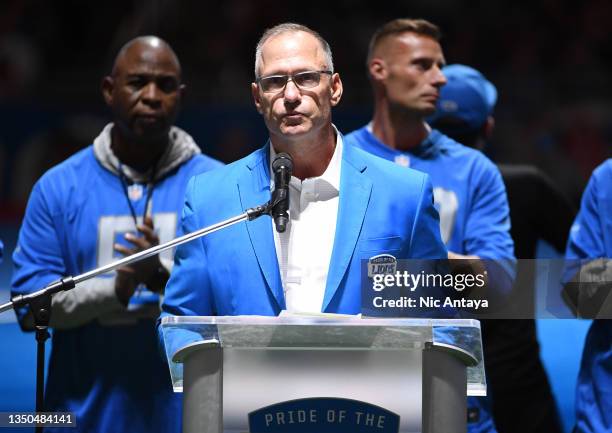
(439, 79)
(151, 93)
(292, 92)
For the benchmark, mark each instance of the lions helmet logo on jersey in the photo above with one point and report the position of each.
(382, 264)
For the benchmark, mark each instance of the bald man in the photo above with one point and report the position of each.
(118, 196)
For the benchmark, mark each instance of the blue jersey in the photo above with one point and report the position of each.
(591, 237)
(109, 373)
(470, 196)
(469, 192)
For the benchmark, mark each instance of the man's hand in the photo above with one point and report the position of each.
(467, 264)
(589, 292)
(148, 271)
(125, 284)
(455, 256)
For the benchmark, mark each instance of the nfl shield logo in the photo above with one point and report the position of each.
(382, 264)
(402, 160)
(135, 192)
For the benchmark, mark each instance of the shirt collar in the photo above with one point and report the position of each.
(427, 148)
(331, 175)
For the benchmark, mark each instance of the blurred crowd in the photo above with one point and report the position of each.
(550, 61)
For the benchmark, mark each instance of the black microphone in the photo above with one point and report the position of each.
(282, 166)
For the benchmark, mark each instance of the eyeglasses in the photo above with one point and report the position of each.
(304, 80)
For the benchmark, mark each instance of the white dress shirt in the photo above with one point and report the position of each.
(304, 249)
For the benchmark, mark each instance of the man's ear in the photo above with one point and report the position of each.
(377, 69)
(107, 86)
(336, 89)
(488, 127)
(182, 90)
(256, 97)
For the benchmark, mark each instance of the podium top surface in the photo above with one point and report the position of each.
(314, 319)
(460, 337)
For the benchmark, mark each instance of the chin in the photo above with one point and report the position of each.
(428, 108)
(428, 111)
(295, 130)
(151, 135)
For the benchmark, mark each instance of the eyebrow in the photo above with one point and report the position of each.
(297, 70)
(152, 76)
(426, 59)
(149, 74)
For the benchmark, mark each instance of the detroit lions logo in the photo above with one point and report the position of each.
(382, 264)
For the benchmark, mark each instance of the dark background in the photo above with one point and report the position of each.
(550, 61)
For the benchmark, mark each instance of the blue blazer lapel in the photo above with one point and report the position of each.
(254, 190)
(355, 190)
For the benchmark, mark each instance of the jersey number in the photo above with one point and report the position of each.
(447, 204)
(111, 230)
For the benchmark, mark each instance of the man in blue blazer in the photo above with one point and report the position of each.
(346, 205)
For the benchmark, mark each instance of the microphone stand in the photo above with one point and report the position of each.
(40, 301)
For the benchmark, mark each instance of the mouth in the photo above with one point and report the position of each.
(293, 118)
(148, 119)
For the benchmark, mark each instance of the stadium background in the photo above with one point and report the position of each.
(550, 60)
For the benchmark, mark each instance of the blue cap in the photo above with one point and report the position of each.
(467, 95)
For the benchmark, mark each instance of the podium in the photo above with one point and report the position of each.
(253, 373)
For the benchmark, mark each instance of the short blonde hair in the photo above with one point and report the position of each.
(292, 28)
(399, 26)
